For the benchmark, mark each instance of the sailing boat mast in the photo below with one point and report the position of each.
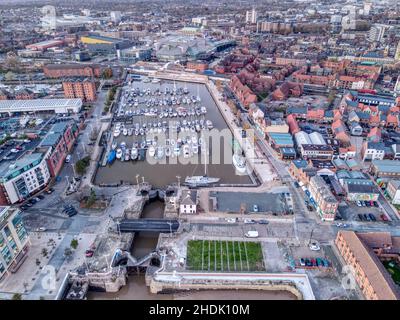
(205, 164)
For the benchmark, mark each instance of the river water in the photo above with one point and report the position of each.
(160, 175)
(136, 288)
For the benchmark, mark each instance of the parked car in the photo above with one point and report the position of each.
(296, 184)
(367, 217)
(255, 208)
(308, 263)
(230, 220)
(72, 213)
(376, 205)
(40, 196)
(302, 262)
(51, 190)
(263, 221)
(319, 262)
(383, 217)
(367, 203)
(68, 158)
(313, 262)
(314, 246)
(360, 217)
(325, 262)
(41, 229)
(358, 203)
(32, 201)
(251, 234)
(249, 221)
(372, 217)
(89, 253)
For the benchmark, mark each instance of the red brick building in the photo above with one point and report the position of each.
(243, 92)
(364, 252)
(80, 88)
(197, 65)
(71, 70)
(60, 139)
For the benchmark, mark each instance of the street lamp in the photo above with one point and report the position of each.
(179, 181)
(137, 180)
(170, 228)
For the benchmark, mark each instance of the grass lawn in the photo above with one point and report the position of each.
(216, 255)
(394, 271)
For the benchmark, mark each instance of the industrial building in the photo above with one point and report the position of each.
(41, 105)
(71, 70)
(134, 54)
(44, 45)
(101, 44)
(385, 168)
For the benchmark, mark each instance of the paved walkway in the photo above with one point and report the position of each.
(300, 280)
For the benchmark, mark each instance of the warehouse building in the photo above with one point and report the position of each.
(41, 105)
(106, 45)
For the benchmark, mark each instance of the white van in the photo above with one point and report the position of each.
(251, 234)
(68, 158)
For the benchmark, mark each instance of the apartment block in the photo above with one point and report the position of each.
(84, 89)
(324, 199)
(14, 240)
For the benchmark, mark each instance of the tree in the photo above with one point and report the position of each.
(74, 244)
(44, 252)
(81, 165)
(107, 73)
(16, 296)
(92, 198)
(9, 76)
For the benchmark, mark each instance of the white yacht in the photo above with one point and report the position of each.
(117, 132)
(201, 181)
(240, 163)
(134, 153)
(186, 151)
(152, 151)
(119, 153)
